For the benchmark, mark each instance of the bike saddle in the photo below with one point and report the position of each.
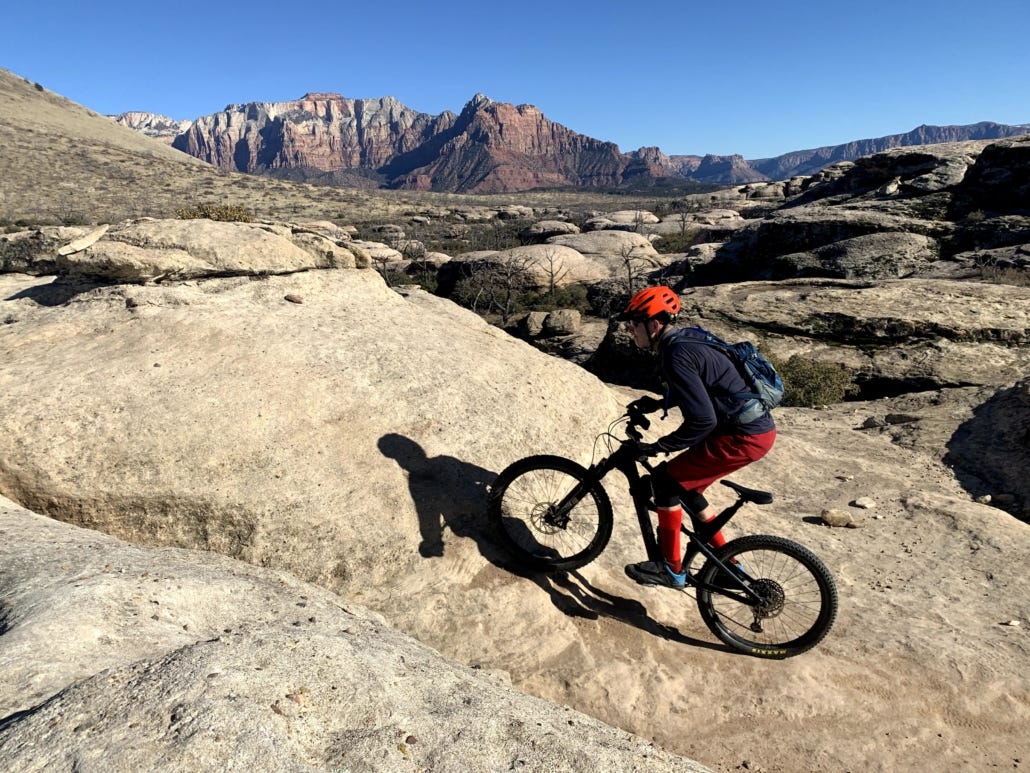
(749, 494)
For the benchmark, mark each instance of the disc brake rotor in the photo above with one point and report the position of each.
(546, 519)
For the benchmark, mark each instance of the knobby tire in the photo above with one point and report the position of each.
(800, 597)
(523, 516)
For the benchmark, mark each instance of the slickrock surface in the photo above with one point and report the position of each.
(348, 440)
(120, 658)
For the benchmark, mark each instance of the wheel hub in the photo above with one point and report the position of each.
(547, 519)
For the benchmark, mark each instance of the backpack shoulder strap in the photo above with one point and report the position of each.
(697, 335)
(701, 336)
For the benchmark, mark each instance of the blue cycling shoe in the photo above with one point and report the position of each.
(656, 573)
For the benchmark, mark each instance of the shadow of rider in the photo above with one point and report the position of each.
(447, 493)
(450, 494)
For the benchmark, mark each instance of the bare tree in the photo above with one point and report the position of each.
(380, 262)
(638, 221)
(497, 287)
(681, 219)
(633, 264)
(553, 266)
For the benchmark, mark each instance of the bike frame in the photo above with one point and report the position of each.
(626, 459)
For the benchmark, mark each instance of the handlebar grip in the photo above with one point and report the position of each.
(637, 419)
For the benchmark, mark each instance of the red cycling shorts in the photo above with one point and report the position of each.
(717, 456)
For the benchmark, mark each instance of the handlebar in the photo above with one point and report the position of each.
(637, 412)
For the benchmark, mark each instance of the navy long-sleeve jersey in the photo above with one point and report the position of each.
(701, 381)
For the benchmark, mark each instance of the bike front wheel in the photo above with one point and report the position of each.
(534, 523)
(798, 598)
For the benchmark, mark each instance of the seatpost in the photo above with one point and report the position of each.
(707, 529)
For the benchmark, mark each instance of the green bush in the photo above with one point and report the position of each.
(808, 383)
(568, 297)
(672, 243)
(235, 213)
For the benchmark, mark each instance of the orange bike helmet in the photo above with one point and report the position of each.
(650, 302)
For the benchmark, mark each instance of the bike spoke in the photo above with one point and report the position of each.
(529, 514)
(794, 600)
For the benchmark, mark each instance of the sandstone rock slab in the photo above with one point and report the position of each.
(131, 659)
(149, 250)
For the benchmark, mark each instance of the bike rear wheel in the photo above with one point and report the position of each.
(799, 597)
(524, 513)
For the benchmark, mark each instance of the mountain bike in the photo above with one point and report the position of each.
(760, 594)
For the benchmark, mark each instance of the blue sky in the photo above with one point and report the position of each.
(754, 78)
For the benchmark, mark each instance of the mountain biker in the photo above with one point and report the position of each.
(702, 382)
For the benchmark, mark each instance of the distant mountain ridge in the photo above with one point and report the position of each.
(490, 147)
(805, 162)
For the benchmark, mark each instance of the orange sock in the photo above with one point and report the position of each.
(669, 521)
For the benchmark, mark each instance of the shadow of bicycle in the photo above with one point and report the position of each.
(450, 495)
(572, 594)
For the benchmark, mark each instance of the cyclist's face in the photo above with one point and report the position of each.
(638, 330)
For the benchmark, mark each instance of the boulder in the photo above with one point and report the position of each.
(531, 324)
(412, 249)
(604, 224)
(390, 231)
(126, 658)
(631, 217)
(766, 190)
(149, 250)
(609, 244)
(562, 322)
(895, 336)
(84, 241)
(434, 259)
(514, 212)
(542, 229)
(887, 255)
(873, 216)
(542, 264)
(754, 250)
(168, 395)
(998, 180)
(341, 233)
(378, 252)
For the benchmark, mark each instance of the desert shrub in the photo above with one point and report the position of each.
(808, 383)
(424, 279)
(607, 298)
(671, 243)
(491, 235)
(235, 213)
(16, 251)
(1006, 275)
(568, 297)
(500, 289)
